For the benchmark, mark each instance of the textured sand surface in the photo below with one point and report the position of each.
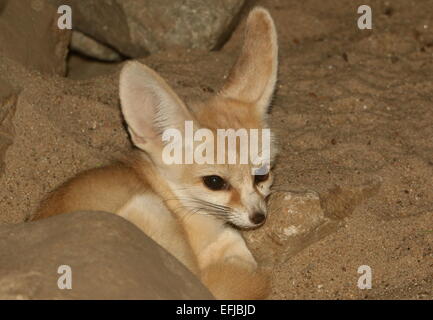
(352, 108)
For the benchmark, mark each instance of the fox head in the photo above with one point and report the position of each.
(233, 192)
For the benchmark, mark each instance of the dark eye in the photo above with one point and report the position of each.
(261, 177)
(215, 183)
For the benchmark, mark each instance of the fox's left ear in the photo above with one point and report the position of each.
(149, 105)
(252, 79)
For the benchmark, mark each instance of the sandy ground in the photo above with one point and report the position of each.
(352, 105)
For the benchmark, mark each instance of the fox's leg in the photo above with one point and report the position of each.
(232, 281)
(229, 269)
(229, 246)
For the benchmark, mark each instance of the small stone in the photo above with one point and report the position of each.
(92, 48)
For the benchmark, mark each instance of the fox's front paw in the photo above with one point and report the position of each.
(243, 262)
(235, 281)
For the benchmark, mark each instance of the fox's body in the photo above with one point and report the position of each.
(189, 209)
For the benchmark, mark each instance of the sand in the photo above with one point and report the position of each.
(351, 106)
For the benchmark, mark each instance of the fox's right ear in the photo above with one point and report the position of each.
(149, 105)
(252, 79)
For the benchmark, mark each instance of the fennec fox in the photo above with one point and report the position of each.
(192, 210)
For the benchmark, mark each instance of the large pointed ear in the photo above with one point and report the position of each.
(252, 79)
(149, 105)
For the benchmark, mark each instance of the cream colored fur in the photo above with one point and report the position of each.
(170, 203)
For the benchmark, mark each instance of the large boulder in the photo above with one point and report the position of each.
(136, 28)
(108, 257)
(30, 35)
(104, 21)
(158, 25)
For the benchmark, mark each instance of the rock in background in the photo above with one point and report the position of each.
(159, 25)
(89, 47)
(135, 28)
(30, 35)
(96, 246)
(105, 22)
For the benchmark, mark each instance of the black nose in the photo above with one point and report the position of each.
(258, 217)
